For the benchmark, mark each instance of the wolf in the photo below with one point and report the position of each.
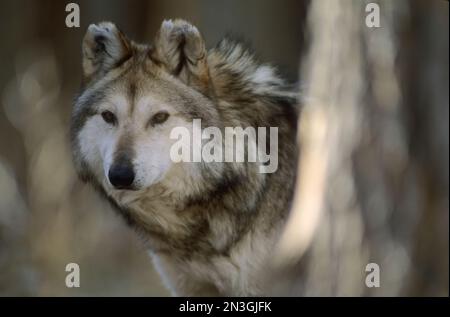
(210, 227)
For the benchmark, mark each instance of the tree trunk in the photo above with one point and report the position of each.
(373, 169)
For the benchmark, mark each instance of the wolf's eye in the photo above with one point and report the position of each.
(109, 117)
(159, 118)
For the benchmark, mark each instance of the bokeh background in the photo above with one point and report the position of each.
(48, 218)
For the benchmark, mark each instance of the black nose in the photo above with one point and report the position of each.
(121, 176)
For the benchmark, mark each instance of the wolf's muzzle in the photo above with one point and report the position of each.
(121, 175)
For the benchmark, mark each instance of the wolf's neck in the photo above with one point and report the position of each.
(211, 221)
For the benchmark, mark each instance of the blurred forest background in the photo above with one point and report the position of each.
(374, 130)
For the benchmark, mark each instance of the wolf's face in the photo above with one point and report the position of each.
(127, 137)
(133, 96)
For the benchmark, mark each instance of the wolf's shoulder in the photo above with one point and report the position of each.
(235, 71)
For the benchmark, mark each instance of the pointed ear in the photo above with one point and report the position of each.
(104, 47)
(180, 47)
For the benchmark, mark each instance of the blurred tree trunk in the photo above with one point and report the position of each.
(373, 169)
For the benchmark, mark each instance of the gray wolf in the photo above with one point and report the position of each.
(210, 228)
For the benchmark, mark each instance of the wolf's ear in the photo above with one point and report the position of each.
(180, 47)
(104, 47)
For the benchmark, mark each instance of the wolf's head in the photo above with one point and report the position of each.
(132, 97)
